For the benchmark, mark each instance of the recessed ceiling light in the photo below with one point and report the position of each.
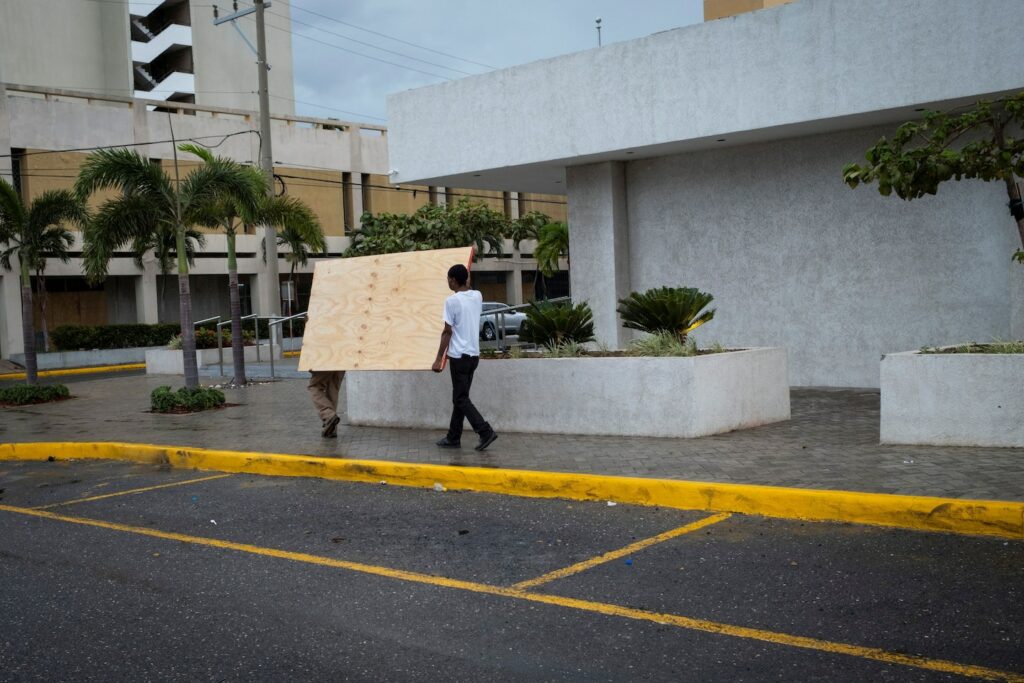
(919, 109)
(720, 140)
(476, 175)
(629, 152)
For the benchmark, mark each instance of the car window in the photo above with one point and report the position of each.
(491, 307)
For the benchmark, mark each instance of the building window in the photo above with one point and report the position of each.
(367, 203)
(346, 202)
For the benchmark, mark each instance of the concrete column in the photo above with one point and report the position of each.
(514, 282)
(147, 303)
(5, 136)
(11, 341)
(599, 244)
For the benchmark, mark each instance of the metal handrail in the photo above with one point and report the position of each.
(279, 321)
(220, 340)
(499, 318)
(205, 320)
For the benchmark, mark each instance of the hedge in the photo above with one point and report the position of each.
(23, 394)
(163, 400)
(86, 338)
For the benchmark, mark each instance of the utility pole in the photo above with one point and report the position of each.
(269, 285)
(271, 294)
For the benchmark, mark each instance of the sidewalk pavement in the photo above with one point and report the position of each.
(830, 443)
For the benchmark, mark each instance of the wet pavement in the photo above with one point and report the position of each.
(830, 443)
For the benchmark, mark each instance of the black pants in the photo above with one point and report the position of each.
(462, 370)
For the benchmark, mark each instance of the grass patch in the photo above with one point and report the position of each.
(975, 347)
(163, 400)
(23, 394)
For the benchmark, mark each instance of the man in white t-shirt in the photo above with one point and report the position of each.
(461, 341)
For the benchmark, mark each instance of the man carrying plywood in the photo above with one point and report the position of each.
(460, 340)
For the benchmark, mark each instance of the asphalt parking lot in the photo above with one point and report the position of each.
(112, 571)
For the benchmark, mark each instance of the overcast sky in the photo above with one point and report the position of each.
(493, 33)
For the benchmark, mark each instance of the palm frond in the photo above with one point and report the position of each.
(296, 222)
(12, 210)
(128, 218)
(214, 179)
(124, 169)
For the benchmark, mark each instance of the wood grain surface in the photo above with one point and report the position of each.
(378, 312)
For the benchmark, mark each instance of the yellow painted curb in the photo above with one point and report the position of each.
(77, 371)
(985, 517)
(291, 354)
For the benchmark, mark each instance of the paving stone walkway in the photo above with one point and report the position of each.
(831, 442)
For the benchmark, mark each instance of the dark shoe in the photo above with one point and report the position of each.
(330, 430)
(445, 443)
(486, 441)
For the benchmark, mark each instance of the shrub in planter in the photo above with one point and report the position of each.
(678, 310)
(185, 400)
(553, 325)
(24, 395)
(207, 339)
(86, 337)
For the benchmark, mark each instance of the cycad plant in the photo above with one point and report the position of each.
(231, 211)
(31, 233)
(552, 325)
(151, 202)
(678, 310)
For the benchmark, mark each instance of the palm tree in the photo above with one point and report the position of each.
(552, 245)
(150, 204)
(528, 227)
(233, 211)
(163, 243)
(299, 233)
(31, 233)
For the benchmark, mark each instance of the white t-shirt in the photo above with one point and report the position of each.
(462, 312)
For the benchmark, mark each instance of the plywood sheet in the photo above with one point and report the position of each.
(378, 312)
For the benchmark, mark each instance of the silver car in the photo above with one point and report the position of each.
(489, 323)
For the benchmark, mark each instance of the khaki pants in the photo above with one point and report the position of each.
(323, 389)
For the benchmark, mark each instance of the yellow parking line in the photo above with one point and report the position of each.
(689, 623)
(76, 371)
(621, 552)
(130, 491)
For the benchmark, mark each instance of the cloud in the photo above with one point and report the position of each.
(498, 34)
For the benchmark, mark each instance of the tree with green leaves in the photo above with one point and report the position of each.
(985, 142)
(528, 227)
(462, 224)
(231, 212)
(151, 202)
(31, 233)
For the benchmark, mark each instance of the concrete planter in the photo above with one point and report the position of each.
(58, 360)
(170, 362)
(954, 399)
(670, 397)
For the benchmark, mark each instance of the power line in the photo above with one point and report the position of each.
(323, 106)
(136, 144)
(354, 52)
(384, 35)
(370, 45)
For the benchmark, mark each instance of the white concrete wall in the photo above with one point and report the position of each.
(681, 397)
(959, 399)
(812, 64)
(61, 44)
(796, 259)
(225, 67)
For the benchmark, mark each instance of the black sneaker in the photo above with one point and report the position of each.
(445, 443)
(486, 441)
(330, 429)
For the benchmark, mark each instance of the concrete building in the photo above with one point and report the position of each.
(711, 156)
(167, 50)
(339, 168)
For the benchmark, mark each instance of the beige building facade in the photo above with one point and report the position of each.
(339, 168)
